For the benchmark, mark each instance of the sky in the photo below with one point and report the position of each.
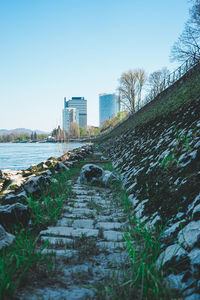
(51, 49)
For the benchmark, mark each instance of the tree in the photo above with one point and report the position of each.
(83, 131)
(130, 88)
(188, 43)
(157, 77)
(74, 130)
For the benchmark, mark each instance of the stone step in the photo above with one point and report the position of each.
(108, 225)
(65, 253)
(86, 223)
(69, 232)
(111, 235)
(56, 241)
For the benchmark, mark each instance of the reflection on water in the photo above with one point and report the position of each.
(21, 156)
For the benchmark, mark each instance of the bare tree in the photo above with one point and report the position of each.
(157, 77)
(74, 130)
(188, 43)
(130, 88)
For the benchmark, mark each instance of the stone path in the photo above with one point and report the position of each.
(88, 243)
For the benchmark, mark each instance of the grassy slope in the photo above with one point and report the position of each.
(183, 91)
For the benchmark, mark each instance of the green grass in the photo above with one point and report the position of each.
(22, 260)
(18, 259)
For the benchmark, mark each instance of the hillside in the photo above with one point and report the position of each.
(157, 153)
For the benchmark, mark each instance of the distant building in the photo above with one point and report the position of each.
(80, 103)
(109, 106)
(69, 115)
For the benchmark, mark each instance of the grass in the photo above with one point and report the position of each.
(140, 278)
(18, 259)
(22, 260)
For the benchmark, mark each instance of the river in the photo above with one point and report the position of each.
(19, 156)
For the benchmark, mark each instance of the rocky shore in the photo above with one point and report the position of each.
(17, 186)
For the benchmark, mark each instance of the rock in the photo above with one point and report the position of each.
(109, 178)
(33, 184)
(174, 256)
(5, 238)
(175, 281)
(14, 214)
(91, 173)
(103, 158)
(61, 167)
(196, 212)
(13, 198)
(194, 256)
(190, 234)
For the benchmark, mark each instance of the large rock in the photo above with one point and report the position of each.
(33, 185)
(61, 167)
(14, 214)
(12, 198)
(189, 236)
(174, 256)
(94, 174)
(5, 238)
(91, 173)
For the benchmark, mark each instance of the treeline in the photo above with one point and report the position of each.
(75, 131)
(22, 137)
(109, 123)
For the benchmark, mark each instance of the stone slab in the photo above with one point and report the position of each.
(111, 235)
(60, 253)
(69, 232)
(86, 223)
(56, 240)
(108, 225)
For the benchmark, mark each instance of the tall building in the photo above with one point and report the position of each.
(70, 114)
(80, 103)
(109, 106)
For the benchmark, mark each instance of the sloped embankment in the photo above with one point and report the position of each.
(159, 166)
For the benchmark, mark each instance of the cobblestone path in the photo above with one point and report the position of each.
(88, 243)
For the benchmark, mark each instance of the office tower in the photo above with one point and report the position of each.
(69, 115)
(80, 103)
(109, 106)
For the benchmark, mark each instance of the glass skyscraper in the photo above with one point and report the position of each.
(109, 106)
(80, 103)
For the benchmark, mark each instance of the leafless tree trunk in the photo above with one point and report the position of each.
(130, 87)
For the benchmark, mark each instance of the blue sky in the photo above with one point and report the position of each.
(50, 49)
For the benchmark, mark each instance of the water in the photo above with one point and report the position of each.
(16, 156)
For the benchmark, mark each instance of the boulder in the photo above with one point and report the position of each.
(61, 167)
(33, 185)
(14, 214)
(5, 238)
(109, 178)
(189, 236)
(91, 173)
(175, 257)
(12, 198)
